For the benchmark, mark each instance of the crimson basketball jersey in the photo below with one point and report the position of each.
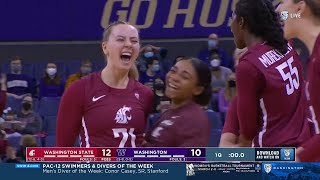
(313, 85)
(311, 151)
(186, 126)
(103, 116)
(280, 98)
(231, 124)
(312, 146)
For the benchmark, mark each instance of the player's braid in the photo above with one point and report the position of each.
(262, 21)
(274, 32)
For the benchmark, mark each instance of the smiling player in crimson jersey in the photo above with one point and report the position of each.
(185, 124)
(271, 100)
(107, 108)
(310, 36)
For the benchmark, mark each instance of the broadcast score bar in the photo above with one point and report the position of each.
(39, 154)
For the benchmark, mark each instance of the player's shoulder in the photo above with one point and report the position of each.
(87, 81)
(193, 115)
(255, 52)
(191, 111)
(93, 77)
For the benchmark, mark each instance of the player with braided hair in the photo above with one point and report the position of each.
(309, 11)
(271, 101)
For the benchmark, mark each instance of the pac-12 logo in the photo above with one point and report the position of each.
(284, 15)
(32, 152)
(190, 169)
(287, 154)
(267, 168)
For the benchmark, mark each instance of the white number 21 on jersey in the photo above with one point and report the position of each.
(292, 76)
(125, 135)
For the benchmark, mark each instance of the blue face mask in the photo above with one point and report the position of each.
(156, 67)
(148, 54)
(212, 43)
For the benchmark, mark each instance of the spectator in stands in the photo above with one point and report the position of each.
(3, 93)
(213, 47)
(11, 155)
(9, 115)
(11, 126)
(26, 141)
(161, 102)
(216, 126)
(3, 144)
(230, 133)
(31, 121)
(153, 72)
(226, 94)
(220, 76)
(149, 52)
(85, 69)
(18, 84)
(52, 84)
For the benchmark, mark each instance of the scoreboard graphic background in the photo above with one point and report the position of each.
(161, 171)
(159, 154)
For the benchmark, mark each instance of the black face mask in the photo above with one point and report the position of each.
(232, 83)
(158, 86)
(26, 106)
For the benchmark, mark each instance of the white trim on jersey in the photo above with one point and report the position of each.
(86, 135)
(133, 137)
(313, 115)
(314, 120)
(80, 141)
(265, 120)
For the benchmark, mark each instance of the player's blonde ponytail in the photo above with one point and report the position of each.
(134, 73)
